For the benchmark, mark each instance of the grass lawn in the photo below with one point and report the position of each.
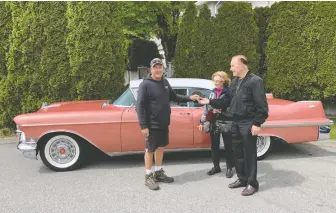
(333, 129)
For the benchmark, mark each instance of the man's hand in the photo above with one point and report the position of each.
(200, 127)
(255, 130)
(203, 101)
(145, 132)
(195, 97)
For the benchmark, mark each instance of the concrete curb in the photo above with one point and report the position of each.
(7, 140)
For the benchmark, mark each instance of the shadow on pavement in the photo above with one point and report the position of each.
(267, 176)
(280, 151)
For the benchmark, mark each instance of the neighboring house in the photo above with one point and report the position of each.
(214, 5)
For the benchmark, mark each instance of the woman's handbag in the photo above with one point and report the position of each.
(223, 126)
(207, 126)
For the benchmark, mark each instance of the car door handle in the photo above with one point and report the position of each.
(184, 113)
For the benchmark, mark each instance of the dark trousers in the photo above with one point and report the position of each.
(215, 150)
(245, 152)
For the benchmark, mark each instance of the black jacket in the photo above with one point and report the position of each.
(223, 102)
(248, 101)
(153, 103)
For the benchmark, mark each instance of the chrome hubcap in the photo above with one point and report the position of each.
(261, 143)
(62, 151)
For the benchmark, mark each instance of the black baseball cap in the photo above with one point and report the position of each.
(156, 61)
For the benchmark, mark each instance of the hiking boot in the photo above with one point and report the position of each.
(214, 170)
(160, 176)
(150, 183)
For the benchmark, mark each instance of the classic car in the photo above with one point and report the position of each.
(63, 133)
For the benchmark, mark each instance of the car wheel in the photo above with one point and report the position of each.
(62, 153)
(264, 145)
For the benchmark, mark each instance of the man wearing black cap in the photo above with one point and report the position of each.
(153, 110)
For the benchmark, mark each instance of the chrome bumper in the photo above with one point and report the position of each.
(323, 136)
(324, 131)
(28, 148)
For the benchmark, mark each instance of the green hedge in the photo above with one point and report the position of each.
(97, 49)
(5, 32)
(185, 62)
(57, 51)
(55, 64)
(236, 33)
(300, 51)
(21, 90)
(206, 45)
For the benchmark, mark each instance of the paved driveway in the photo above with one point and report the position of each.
(295, 178)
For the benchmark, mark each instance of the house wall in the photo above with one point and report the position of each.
(214, 5)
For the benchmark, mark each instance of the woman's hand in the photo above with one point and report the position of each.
(200, 127)
(203, 101)
(217, 111)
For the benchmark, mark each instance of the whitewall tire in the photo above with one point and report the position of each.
(264, 144)
(62, 153)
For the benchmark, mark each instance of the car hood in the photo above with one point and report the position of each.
(73, 106)
(69, 112)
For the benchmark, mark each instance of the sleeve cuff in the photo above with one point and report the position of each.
(258, 124)
(143, 126)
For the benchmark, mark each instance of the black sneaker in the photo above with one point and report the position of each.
(150, 183)
(214, 170)
(160, 176)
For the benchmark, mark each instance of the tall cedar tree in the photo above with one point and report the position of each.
(22, 88)
(236, 33)
(263, 15)
(96, 47)
(5, 32)
(205, 44)
(300, 51)
(55, 70)
(185, 62)
(324, 33)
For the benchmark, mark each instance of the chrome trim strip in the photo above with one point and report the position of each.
(113, 154)
(61, 124)
(295, 124)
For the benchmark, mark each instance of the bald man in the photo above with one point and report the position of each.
(249, 109)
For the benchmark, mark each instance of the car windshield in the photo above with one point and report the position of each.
(125, 99)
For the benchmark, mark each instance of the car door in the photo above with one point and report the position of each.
(180, 130)
(130, 132)
(181, 123)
